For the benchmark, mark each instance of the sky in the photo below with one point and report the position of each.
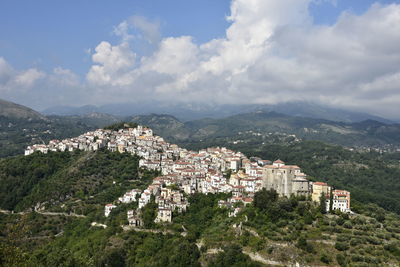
(340, 53)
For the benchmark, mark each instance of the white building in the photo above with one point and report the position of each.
(341, 201)
(108, 208)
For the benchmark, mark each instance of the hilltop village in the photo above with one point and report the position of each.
(183, 172)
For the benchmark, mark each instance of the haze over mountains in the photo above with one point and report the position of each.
(192, 111)
(13, 110)
(368, 133)
(21, 126)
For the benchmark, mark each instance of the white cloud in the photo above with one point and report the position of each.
(272, 52)
(64, 77)
(12, 81)
(147, 30)
(175, 56)
(28, 78)
(113, 62)
(6, 74)
(150, 29)
(122, 30)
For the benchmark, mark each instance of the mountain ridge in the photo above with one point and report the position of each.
(365, 133)
(188, 111)
(13, 110)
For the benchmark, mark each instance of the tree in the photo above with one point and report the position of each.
(232, 256)
(304, 245)
(149, 213)
(264, 198)
(114, 257)
(322, 203)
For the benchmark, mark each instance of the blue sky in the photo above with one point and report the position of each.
(342, 53)
(48, 33)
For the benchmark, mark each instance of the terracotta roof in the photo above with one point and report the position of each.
(320, 183)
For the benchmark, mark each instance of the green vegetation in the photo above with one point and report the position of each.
(232, 256)
(59, 179)
(17, 133)
(370, 177)
(284, 231)
(121, 125)
(262, 126)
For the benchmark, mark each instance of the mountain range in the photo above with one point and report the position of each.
(52, 205)
(259, 123)
(191, 111)
(13, 110)
(21, 126)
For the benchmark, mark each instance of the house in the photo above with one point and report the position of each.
(164, 215)
(284, 179)
(108, 208)
(319, 188)
(341, 200)
(134, 218)
(129, 196)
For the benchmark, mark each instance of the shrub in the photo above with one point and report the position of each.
(341, 246)
(343, 238)
(348, 225)
(355, 241)
(304, 245)
(325, 258)
(341, 259)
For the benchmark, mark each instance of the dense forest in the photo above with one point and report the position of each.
(58, 202)
(17, 133)
(49, 180)
(272, 230)
(368, 133)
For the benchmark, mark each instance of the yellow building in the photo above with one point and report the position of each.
(317, 189)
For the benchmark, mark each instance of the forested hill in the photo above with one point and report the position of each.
(17, 133)
(50, 180)
(12, 110)
(68, 228)
(370, 177)
(366, 133)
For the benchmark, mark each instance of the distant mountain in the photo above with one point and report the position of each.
(312, 110)
(168, 125)
(365, 133)
(184, 111)
(21, 126)
(12, 110)
(193, 111)
(93, 119)
(68, 111)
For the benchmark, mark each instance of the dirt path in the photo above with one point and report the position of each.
(47, 213)
(259, 258)
(154, 231)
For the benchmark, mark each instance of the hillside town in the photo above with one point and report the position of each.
(184, 172)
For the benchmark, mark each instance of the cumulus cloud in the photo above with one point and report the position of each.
(112, 63)
(14, 81)
(150, 29)
(272, 52)
(38, 89)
